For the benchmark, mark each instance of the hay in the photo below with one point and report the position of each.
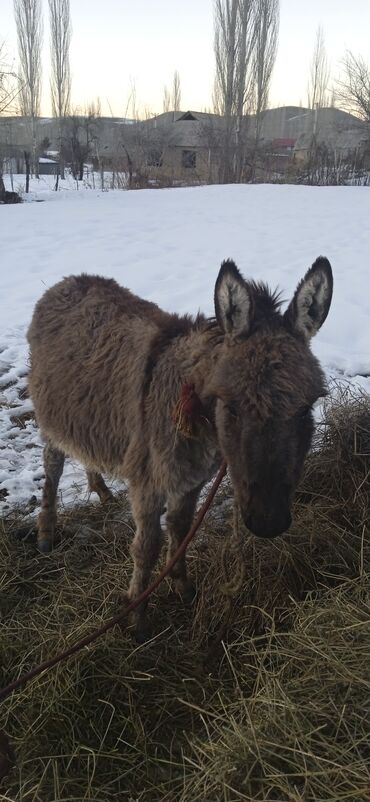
(263, 695)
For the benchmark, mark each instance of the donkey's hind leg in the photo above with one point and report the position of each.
(53, 465)
(97, 485)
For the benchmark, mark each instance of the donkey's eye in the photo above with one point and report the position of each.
(232, 410)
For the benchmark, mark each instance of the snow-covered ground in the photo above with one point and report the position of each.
(41, 187)
(167, 245)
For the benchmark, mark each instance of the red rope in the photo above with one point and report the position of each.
(53, 661)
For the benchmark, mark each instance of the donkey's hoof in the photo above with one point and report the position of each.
(186, 589)
(107, 498)
(136, 619)
(142, 633)
(44, 546)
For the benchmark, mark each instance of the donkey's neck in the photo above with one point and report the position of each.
(196, 354)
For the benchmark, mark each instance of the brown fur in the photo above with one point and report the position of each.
(106, 372)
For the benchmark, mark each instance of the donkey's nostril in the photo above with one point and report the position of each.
(268, 527)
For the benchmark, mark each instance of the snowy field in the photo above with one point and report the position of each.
(167, 245)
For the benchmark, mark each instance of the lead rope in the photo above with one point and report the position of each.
(233, 547)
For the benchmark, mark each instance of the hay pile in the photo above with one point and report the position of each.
(259, 694)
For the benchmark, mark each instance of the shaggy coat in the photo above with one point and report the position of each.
(107, 369)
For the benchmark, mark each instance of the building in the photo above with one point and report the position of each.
(183, 147)
(48, 166)
(187, 147)
(339, 132)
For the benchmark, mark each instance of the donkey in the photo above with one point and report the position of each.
(108, 369)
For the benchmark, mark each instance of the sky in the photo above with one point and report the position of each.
(120, 44)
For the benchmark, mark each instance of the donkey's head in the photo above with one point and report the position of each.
(266, 380)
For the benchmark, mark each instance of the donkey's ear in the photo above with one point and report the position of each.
(311, 302)
(233, 302)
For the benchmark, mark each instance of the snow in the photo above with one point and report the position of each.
(167, 245)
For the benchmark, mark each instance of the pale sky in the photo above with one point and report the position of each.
(118, 43)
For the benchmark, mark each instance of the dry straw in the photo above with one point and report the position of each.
(261, 695)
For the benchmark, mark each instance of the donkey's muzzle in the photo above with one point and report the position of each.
(268, 527)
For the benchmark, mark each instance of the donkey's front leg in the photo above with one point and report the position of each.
(145, 548)
(180, 513)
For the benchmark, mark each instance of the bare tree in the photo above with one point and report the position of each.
(29, 34)
(166, 99)
(60, 29)
(267, 31)
(234, 25)
(9, 83)
(225, 48)
(82, 138)
(353, 91)
(317, 93)
(60, 38)
(246, 46)
(226, 24)
(131, 109)
(176, 91)
(245, 80)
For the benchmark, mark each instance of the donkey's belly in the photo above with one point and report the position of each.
(93, 459)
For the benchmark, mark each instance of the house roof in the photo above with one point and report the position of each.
(281, 126)
(189, 116)
(290, 122)
(285, 142)
(335, 128)
(189, 129)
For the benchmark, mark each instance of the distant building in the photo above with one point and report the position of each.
(183, 147)
(340, 132)
(48, 166)
(186, 147)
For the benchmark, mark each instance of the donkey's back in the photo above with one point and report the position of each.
(90, 341)
(80, 305)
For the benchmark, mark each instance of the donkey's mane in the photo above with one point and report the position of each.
(169, 328)
(266, 309)
(267, 303)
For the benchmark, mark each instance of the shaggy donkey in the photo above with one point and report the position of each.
(108, 368)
